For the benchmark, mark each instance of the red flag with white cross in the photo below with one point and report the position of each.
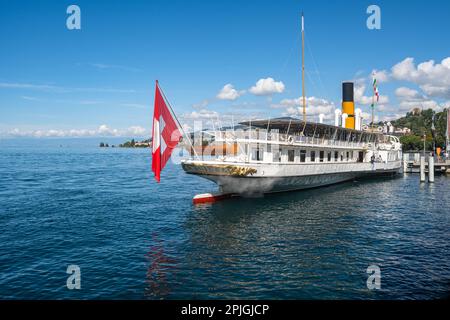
(166, 133)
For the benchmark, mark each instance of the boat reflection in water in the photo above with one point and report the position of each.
(308, 245)
(280, 246)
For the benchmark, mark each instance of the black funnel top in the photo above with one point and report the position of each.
(347, 91)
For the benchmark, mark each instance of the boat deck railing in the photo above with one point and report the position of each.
(279, 138)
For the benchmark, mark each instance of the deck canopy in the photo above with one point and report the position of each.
(292, 126)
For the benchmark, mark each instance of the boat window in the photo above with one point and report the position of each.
(348, 155)
(336, 155)
(276, 156)
(342, 156)
(313, 156)
(329, 156)
(321, 155)
(302, 155)
(360, 156)
(256, 154)
(291, 155)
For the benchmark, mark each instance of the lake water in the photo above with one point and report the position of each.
(65, 202)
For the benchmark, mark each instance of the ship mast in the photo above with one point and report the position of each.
(373, 115)
(303, 69)
(375, 93)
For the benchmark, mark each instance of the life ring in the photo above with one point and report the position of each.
(290, 139)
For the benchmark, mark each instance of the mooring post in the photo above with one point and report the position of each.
(422, 168)
(430, 168)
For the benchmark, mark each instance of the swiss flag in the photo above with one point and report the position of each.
(166, 133)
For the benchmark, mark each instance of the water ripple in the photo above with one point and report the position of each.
(135, 239)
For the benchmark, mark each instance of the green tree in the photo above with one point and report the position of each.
(420, 124)
(411, 142)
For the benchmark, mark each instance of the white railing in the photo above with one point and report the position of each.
(276, 138)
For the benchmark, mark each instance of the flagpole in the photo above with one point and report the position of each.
(373, 101)
(303, 69)
(373, 107)
(176, 119)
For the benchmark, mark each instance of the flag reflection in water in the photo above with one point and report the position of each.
(159, 267)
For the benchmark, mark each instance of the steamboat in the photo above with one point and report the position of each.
(282, 154)
(291, 154)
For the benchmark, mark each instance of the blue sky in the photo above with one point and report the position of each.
(100, 80)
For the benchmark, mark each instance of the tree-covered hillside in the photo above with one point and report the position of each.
(420, 123)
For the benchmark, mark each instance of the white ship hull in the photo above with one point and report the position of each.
(270, 177)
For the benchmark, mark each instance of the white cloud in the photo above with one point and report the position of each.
(365, 101)
(134, 105)
(314, 107)
(201, 105)
(390, 117)
(59, 89)
(137, 131)
(433, 78)
(407, 105)
(267, 86)
(103, 66)
(361, 99)
(384, 107)
(367, 117)
(410, 99)
(228, 92)
(85, 102)
(15, 85)
(90, 102)
(407, 93)
(404, 70)
(31, 98)
(380, 75)
(203, 114)
(102, 131)
(204, 118)
(186, 127)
